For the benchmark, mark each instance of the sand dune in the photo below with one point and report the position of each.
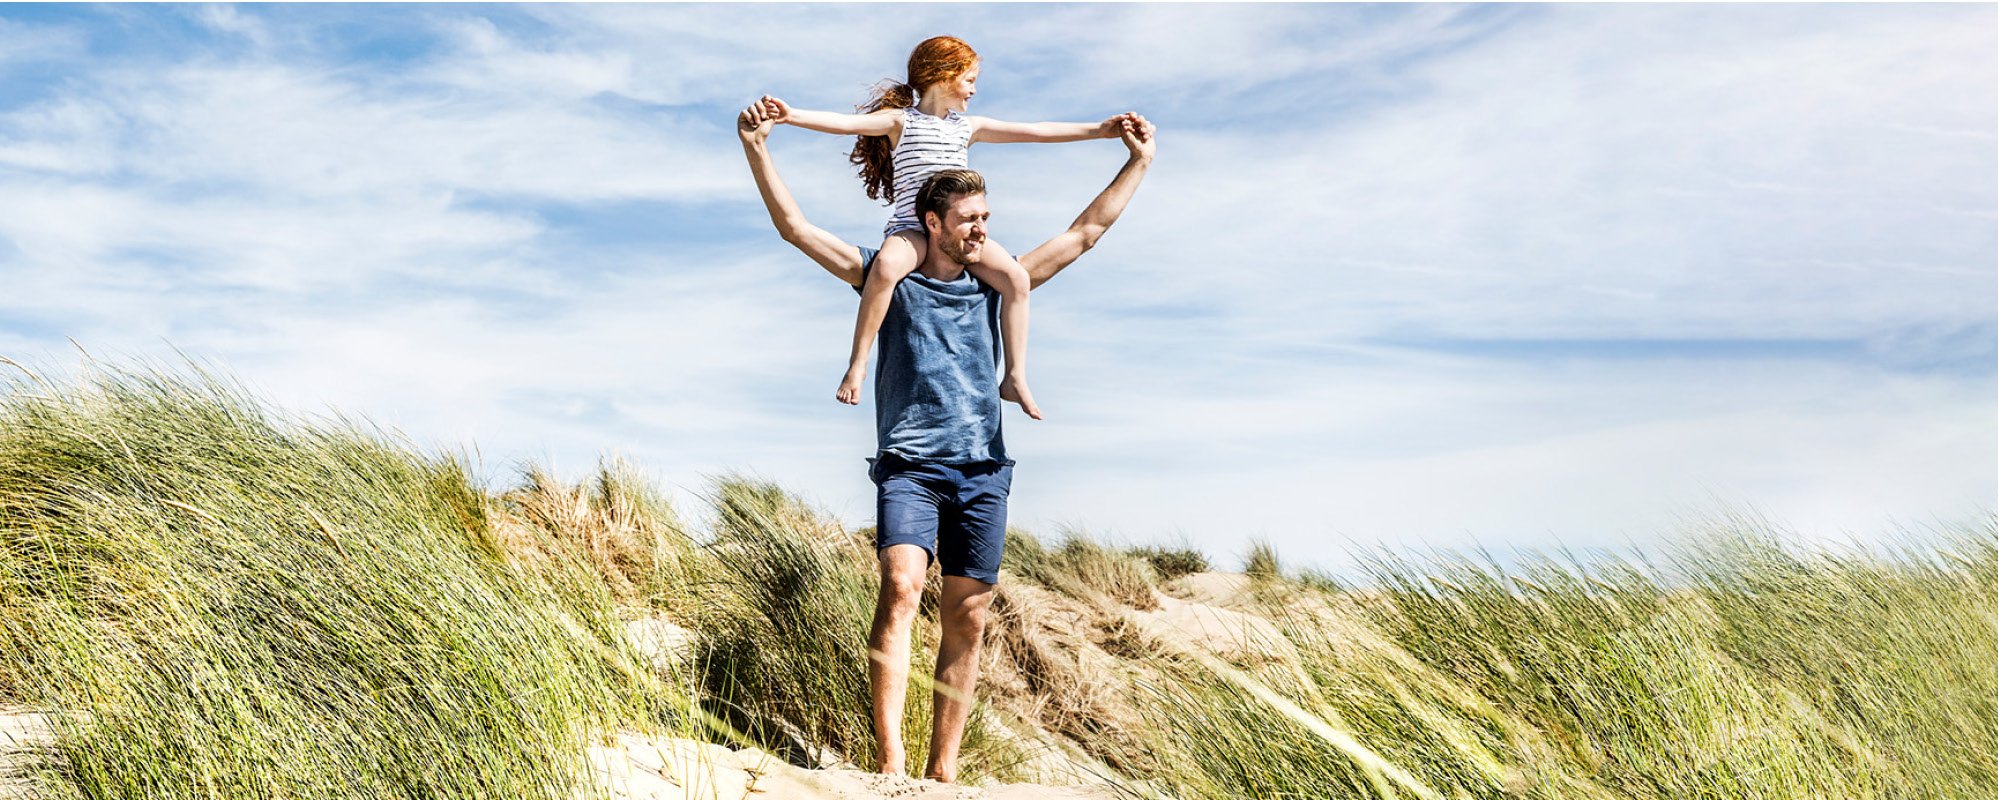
(22, 732)
(641, 768)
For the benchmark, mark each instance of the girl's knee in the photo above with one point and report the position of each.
(909, 243)
(896, 262)
(1010, 279)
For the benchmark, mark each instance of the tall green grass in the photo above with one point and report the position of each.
(220, 601)
(1743, 669)
(786, 597)
(785, 610)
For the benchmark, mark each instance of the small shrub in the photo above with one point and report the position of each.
(1321, 581)
(1086, 570)
(1172, 562)
(1024, 556)
(630, 533)
(1262, 563)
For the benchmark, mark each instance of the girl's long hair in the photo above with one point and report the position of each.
(936, 60)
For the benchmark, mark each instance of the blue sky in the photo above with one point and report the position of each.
(1407, 275)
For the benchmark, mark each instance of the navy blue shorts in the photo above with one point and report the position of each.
(955, 512)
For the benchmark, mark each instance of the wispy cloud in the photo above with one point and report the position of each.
(28, 43)
(1401, 272)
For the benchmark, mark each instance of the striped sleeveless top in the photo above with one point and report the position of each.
(928, 144)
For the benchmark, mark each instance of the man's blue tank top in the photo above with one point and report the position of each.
(936, 372)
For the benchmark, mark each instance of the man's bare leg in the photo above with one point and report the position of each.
(962, 613)
(903, 570)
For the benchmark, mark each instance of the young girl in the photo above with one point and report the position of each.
(907, 133)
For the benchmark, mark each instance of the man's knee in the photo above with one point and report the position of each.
(903, 594)
(903, 576)
(966, 612)
(967, 619)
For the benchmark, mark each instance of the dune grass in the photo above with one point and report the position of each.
(221, 601)
(784, 611)
(1169, 562)
(1083, 568)
(786, 599)
(1743, 668)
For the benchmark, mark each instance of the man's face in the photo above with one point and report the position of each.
(962, 236)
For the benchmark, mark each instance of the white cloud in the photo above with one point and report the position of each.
(284, 130)
(230, 20)
(489, 62)
(1520, 457)
(427, 242)
(22, 42)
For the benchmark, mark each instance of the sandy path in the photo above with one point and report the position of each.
(21, 733)
(640, 768)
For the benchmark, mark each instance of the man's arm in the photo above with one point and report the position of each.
(835, 254)
(1055, 254)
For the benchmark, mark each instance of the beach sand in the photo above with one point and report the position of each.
(640, 768)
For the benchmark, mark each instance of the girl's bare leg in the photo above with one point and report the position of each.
(898, 257)
(999, 270)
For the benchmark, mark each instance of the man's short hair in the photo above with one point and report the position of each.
(941, 187)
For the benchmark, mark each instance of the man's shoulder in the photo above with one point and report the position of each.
(867, 255)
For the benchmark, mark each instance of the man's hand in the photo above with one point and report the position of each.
(1138, 135)
(778, 110)
(1056, 254)
(838, 257)
(754, 124)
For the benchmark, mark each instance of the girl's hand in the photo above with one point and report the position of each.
(1115, 126)
(1111, 128)
(778, 111)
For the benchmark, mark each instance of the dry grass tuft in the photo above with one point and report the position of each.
(630, 533)
(1084, 569)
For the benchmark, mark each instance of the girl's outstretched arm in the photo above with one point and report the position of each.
(999, 131)
(879, 123)
(835, 254)
(1056, 254)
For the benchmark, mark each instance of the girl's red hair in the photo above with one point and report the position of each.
(936, 60)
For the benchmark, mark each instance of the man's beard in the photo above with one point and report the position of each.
(955, 250)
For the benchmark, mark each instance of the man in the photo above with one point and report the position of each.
(941, 470)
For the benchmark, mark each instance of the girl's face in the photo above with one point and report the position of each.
(957, 91)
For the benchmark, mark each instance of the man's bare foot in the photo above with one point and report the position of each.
(891, 763)
(849, 387)
(1014, 390)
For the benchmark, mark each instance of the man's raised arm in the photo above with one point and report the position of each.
(1053, 255)
(835, 254)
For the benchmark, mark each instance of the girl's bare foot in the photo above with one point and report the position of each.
(1014, 390)
(849, 387)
